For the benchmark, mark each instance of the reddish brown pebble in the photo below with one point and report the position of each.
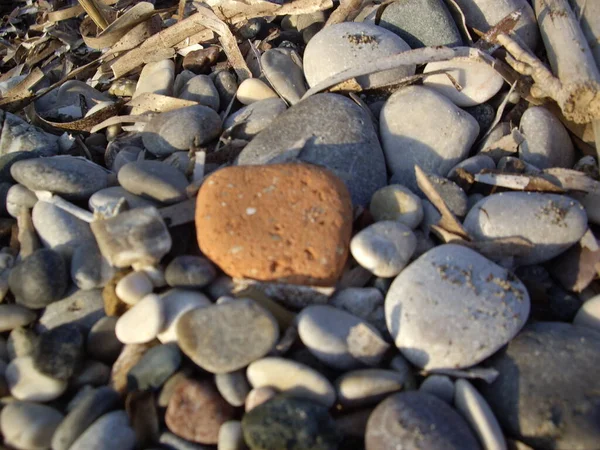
(200, 61)
(196, 411)
(289, 223)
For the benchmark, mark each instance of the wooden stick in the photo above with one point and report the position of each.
(94, 10)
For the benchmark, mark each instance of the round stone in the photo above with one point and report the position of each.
(231, 436)
(254, 90)
(110, 431)
(29, 384)
(102, 342)
(28, 425)
(419, 421)
(439, 385)
(201, 89)
(17, 197)
(233, 387)
(59, 352)
(452, 194)
(142, 322)
(176, 302)
(396, 202)
(366, 303)
(259, 396)
(226, 84)
(155, 367)
(473, 165)
(154, 179)
(133, 287)
(227, 337)
(588, 315)
(14, 316)
(367, 386)
(452, 308)
(84, 308)
(21, 342)
(188, 271)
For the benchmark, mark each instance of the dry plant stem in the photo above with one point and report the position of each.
(181, 10)
(343, 11)
(95, 12)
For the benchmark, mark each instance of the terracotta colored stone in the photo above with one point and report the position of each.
(196, 411)
(284, 222)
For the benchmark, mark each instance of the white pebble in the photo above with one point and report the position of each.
(133, 287)
(253, 90)
(142, 322)
(27, 383)
(397, 202)
(176, 302)
(589, 314)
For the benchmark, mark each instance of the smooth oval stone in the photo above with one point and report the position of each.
(366, 303)
(552, 223)
(284, 72)
(181, 129)
(587, 316)
(60, 230)
(127, 155)
(367, 386)
(13, 316)
(133, 287)
(69, 176)
(250, 120)
(302, 425)
(92, 374)
(477, 412)
(142, 322)
(176, 302)
(306, 382)
(109, 432)
(211, 336)
(109, 198)
(226, 84)
(17, 197)
(419, 421)
(102, 342)
(29, 384)
(201, 89)
(231, 436)
(396, 202)
(60, 352)
(350, 44)
(7, 161)
(92, 406)
(89, 269)
(473, 165)
(542, 394)
(337, 134)
(84, 308)
(547, 142)
(21, 342)
(439, 385)
(421, 126)
(155, 367)
(28, 425)
(259, 396)
(39, 279)
(254, 90)
(233, 387)
(156, 78)
(154, 179)
(452, 308)
(384, 248)
(189, 271)
(421, 23)
(478, 80)
(339, 339)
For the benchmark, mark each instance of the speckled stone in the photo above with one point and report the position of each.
(189, 271)
(109, 432)
(59, 352)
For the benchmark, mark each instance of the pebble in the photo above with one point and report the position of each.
(201, 89)
(14, 316)
(546, 370)
(439, 385)
(300, 22)
(350, 44)
(367, 386)
(19, 136)
(142, 322)
(176, 302)
(339, 339)
(226, 84)
(7, 161)
(199, 61)
(29, 384)
(107, 199)
(84, 308)
(396, 202)
(189, 271)
(384, 248)
(231, 436)
(283, 70)
(366, 303)
(414, 125)
(452, 194)
(587, 316)
(110, 431)
(129, 357)
(93, 405)
(302, 425)
(122, 87)
(552, 223)
(39, 279)
(92, 373)
(155, 367)
(210, 337)
(291, 378)
(452, 308)
(259, 396)
(196, 411)
(169, 386)
(17, 197)
(421, 23)
(133, 287)
(419, 421)
(21, 342)
(28, 426)
(250, 120)
(266, 240)
(547, 143)
(477, 412)
(155, 180)
(59, 352)
(71, 177)
(233, 387)
(181, 129)
(473, 165)
(89, 269)
(156, 78)
(479, 81)
(336, 134)
(253, 90)
(102, 342)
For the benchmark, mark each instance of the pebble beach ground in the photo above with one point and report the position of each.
(254, 268)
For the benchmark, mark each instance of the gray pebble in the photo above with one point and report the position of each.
(473, 165)
(452, 194)
(19, 136)
(366, 303)
(21, 342)
(250, 120)
(367, 386)
(233, 387)
(439, 385)
(188, 271)
(226, 85)
(231, 436)
(155, 180)
(89, 269)
(27, 425)
(84, 308)
(7, 161)
(92, 373)
(102, 342)
(155, 367)
(201, 89)
(108, 198)
(174, 442)
(14, 316)
(396, 202)
(283, 70)
(110, 431)
(59, 352)
(17, 197)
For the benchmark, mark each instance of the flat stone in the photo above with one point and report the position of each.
(79, 307)
(283, 69)
(396, 202)
(552, 223)
(366, 303)
(156, 78)
(547, 142)
(175, 303)
(384, 248)
(142, 322)
(196, 411)
(350, 44)
(201, 89)
(253, 90)
(439, 385)
(154, 179)
(89, 269)
(71, 177)
(367, 386)
(452, 308)
(21, 342)
(250, 120)
(541, 396)
(266, 238)
(306, 382)
(421, 126)
(92, 406)
(27, 425)
(339, 339)
(102, 342)
(589, 314)
(60, 352)
(181, 129)
(39, 279)
(233, 387)
(189, 271)
(210, 337)
(110, 431)
(13, 316)
(421, 23)
(418, 420)
(479, 81)
(16, 135)
(133, 287)
(302, 425)
(29, 384)
(108, 198)
(155, 367)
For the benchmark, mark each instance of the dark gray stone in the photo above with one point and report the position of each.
(338, 135)
(452, 194)
(484, 114)
(154, 179)
(21, 342)
(188, 271)
(83, 308)
(250, 120)
(102, 342)
(545, 393)
(201, 89)
(109, 197)
(155, 367)
(226, 85)
(284, 74)
(59, 352)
